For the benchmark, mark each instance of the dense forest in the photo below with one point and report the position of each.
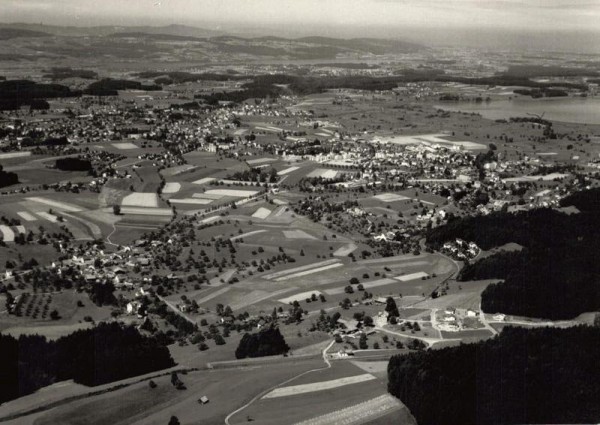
(7, 178)
(17, 93)
(557, 276)
(267, 342)
(73, 164)
(546, 375)
(587, 200)
(496, 266)
(63, 73)
(106, 353)
(110, 87)
(184, 77)
(265, 85)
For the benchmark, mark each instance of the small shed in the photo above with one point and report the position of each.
(203, 400)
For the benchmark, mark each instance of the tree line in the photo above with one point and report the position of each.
(103, 354)
(545, 375)
(7, 178)
(557, 276)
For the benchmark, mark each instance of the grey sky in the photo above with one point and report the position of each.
(557, 15)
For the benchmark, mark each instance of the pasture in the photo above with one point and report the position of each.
(141, 199)
(138, 404)
(341, 394)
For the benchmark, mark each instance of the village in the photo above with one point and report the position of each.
(203, 223)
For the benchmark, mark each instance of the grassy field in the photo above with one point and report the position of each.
(65, 302)
(293, 408)
(138, 404)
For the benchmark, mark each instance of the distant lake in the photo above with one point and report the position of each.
(579, 110)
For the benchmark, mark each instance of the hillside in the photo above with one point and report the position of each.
(555, 277)
(10, 33)
(523, 376)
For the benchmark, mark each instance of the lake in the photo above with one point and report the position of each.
(567, 109)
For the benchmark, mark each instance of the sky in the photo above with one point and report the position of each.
(530, 15)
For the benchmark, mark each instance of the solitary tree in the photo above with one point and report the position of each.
(391, 308)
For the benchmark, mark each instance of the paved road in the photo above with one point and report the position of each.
(485, 323)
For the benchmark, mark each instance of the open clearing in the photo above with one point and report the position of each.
(299, 297)
(125, 145)
(207, 196)
(262, 213)
(245, 235)
(318, 386)
(379, 367)
(287, 171)
(147, 211)
(260, 160)
(297, 234)
(359, 413)
(55, 204)
(429, 139)
(323, 173)
(205, 180)
(307, 272)
(235, 193)
(258, 296)
(412, 276)
(366, 285)
(10, 155)
(51, 218)
(141, 199)
(547, 177)
(172, 187)
(209, 220)
(215, 294)
(27, 216)
(192, 201)
(299, 269)
(345, 250)
(391, 197)
(7, 233)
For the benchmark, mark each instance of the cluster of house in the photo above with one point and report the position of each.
(453, 319)
(460, 249)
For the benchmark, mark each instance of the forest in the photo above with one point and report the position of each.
(556, 276)
(110, 87)
(264, 85)
(587, 200)
(267, 342)
(17, 93)
(7, 178)
(73, 164)
(106, 353)
(546, 375)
